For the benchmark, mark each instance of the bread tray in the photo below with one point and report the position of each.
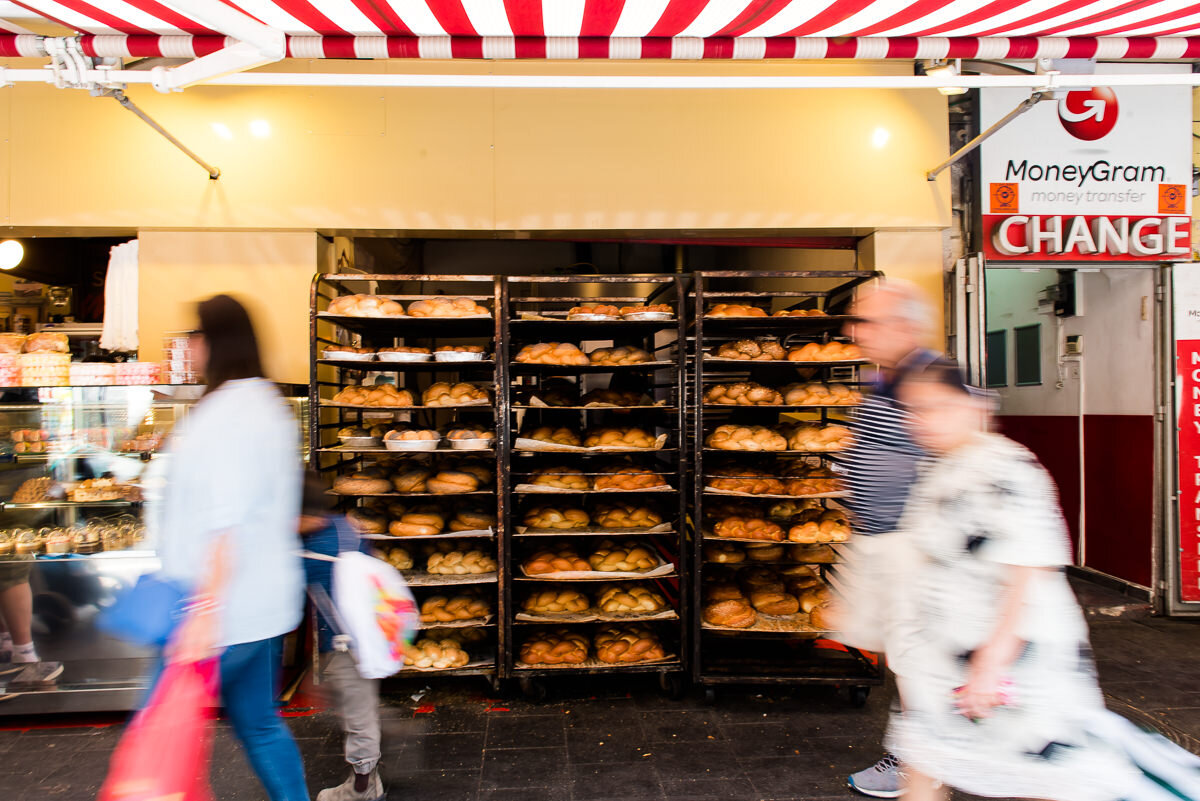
(391, 538)
(404, 357)
(472, 623)
(487, 402)
(394, 494)
(593, 318)
(419, 578)
(348, 356)
(526, 531)
(664, 569)
(526, 444)
(537, 403)
(780, 362)
(474, 664)
(386, 409)
(539, 489)
(474, 444)
(412, 445)
(593, 663)
(775, 624)
(594, 616)
(360, 442)
(648, 316)
(736, 494)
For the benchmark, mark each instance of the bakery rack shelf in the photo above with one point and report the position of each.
(785, 650)
(331, 331)
(69, 504)
(534, 311)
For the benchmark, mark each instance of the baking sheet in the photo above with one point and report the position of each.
(409, 494)
(736, 494)
(419, 578)
(444, 535)
(663, 528)
(664, 569)
(715, 538)
(526, 444)
(776, 624)
(593, 663)
(594, 616)
(540, 489)
(329, 316)
(474, 664)
(471, 623)
(538, 403)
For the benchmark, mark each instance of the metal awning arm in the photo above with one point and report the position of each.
(1026, 104)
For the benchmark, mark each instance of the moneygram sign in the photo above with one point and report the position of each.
(1096, 175)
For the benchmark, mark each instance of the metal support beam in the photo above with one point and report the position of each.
(1026, 104)
(118, 95)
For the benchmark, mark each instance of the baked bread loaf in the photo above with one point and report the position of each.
(812, 554)
(618, 438)
(819, 439)
(613, 397)
(405, 349)
(551, 435)
(559, 353)
(482, 472)
(460, 563)
(627, 644)
(411, 480)
(627, 557)
(439, 654)
(564, 559)
(595, 309)
(724, 553)
(632, 600)
(733, 613)
(560, 477)
(446, 307)
(459, 348)
(722, 591)
(818, 394)
(557, 519)
(411, 435)
(417, 524)
(554, 602)
(746, 438)
(786, 510)
(815, 596)
(398, 558)
(752, 350)
(381, 395)
(364, 482)
(364, 521)
(557, 647)
(764, 553)
(624, 515)
(629, 478)
(470, 433)
(649, 308)
(748, 528)
(365, 306)
(743, 393)
(345, 349)
(472, 520)
(770, 602)
(446, 394)
(452, 482)
(805, 480)
(735, 310)
(819, 526)
(619, 356)
(443, 609)
(799, 313)
(744, 479)
(825, 352)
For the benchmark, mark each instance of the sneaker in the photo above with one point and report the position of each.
(345, 791)
(36, 675)
(884, 779)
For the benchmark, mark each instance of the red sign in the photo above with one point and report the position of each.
(1009, 237)
(1089, 114)
(1187, 368)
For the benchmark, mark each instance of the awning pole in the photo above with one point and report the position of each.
(1026, 104)
(213, 172)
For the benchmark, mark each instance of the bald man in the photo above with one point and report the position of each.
(892, 326)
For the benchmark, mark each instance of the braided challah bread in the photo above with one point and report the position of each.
(365, 306)
(619, 356)
(818, 394)
(558, 647)
(733, 612)
(594, 309)
(626, 557)
(398, 558)
(380, 395)
(752, 528)
(744, 393)
(818, 438)
(754, 350)
(445, 394)
(621, 601)
(551, 602)
(563, 560)
(819, 526)
(804, 480)
(825, 352)
(626, 644)
(560, 477)
(446, 307)
(745, 479)
(439, 654)
(559, 353)
(629, 478)
(618, 438)
(559, 519)
(746, 438)
(551, 435)
(799, 313)
(735, 310)
(626, 516)
(441, 609)
(460, 563)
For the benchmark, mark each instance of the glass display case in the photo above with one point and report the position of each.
(76, 466)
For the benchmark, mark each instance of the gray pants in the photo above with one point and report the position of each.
(357, 701)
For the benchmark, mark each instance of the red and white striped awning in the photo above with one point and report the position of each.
(645, 29)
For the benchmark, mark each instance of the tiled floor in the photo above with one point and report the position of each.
(619, 740)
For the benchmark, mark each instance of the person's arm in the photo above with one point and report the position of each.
(990, 662)
(199, 632)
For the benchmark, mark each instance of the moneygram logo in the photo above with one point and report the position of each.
(1089, 114)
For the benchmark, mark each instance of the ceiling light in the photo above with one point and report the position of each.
(945, 71)
(222, 130)
(880, 137)
(11, 253)
(260, 128)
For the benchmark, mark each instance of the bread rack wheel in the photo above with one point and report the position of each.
(859, 695)
(532, 689)
(671, 684)
(710, 695)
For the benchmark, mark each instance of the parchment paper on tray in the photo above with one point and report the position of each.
(736, 494)
(592, 616)
(646, 401)
(664, 569)
(474, 664)
(526, 444)
(663, 528)
(419, 578)
(535, 489)
(458, 624)
(444, 535)
(593, 662)
(782, 624)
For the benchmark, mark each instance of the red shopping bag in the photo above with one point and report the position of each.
(164, 753)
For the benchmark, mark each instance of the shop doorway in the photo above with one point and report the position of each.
(1073, 357)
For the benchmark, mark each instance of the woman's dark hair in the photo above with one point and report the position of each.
(232, 345)
(315, 500)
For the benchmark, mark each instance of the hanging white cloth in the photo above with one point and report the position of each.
(121, 299)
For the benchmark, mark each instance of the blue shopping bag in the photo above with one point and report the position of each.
(146, 613)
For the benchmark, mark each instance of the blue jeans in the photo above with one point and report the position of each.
(249, 686)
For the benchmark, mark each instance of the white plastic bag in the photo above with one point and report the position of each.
(377, 611)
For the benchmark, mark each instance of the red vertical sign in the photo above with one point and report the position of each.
(1187, 369)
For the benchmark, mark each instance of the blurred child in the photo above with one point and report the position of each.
(357, 699)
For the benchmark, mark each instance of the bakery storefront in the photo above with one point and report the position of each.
(595, 202)
(1086, 278)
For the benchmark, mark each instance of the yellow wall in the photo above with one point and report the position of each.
(429, 160)
(269, 272)
(915, 256)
